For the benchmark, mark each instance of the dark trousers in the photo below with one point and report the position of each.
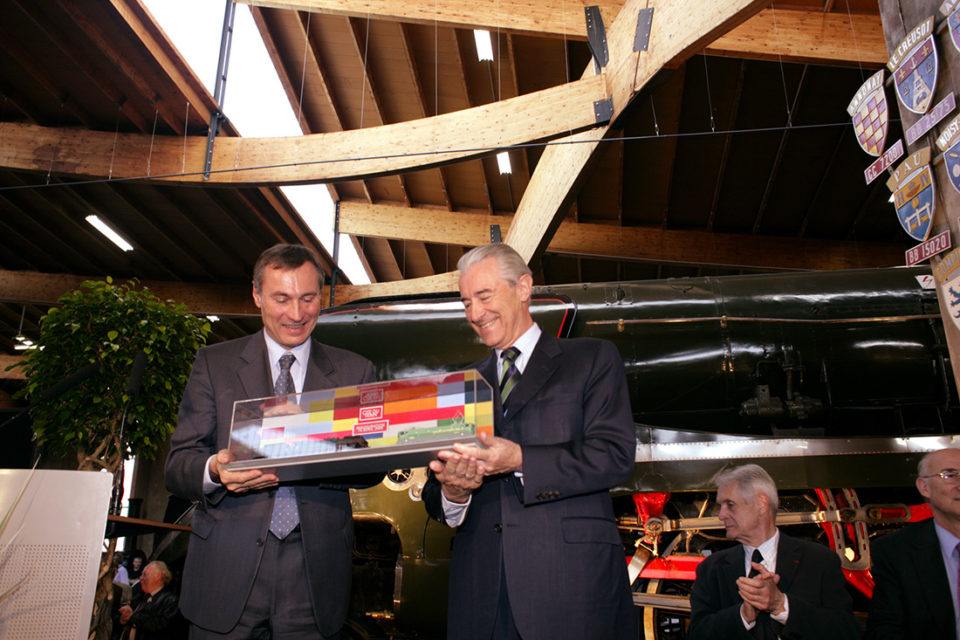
(279, 605)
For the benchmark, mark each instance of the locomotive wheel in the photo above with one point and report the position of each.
(664, 624)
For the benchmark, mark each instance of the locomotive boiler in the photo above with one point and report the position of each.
(835, 381)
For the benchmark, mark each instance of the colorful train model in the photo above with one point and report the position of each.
(835, 381)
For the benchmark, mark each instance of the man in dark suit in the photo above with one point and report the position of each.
(263, 558)
(770, 585)
(153, 613)
(915, 569)
(537, 553)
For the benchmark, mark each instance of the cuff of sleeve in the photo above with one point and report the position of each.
(783, 615)
(454, 512)
(209, 486)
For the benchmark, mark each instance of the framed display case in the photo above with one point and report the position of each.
(360, 429)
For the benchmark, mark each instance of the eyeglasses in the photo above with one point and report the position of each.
(948, 475)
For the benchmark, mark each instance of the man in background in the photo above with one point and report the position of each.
(263, 560)
(915, 569)
(770, 585)
(153, 614)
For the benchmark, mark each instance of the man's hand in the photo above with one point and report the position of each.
(761, 592)
(125, 612)
(458, 475)
(238, 481)
(499, 456)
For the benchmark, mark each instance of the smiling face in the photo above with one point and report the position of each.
(289, 303)
(943, 496)
(746, 520)
(498, 311)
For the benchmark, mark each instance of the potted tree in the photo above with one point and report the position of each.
(108, 330)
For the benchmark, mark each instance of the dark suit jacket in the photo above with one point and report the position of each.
(157, 617)
(820, 606)
(228, 530)
(554, 536)
(911, 598)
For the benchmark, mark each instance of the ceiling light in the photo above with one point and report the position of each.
(503, 161)
(484, 47)
(213, 318)
(112, 235)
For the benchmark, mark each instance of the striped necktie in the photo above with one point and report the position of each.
(285, 514)
(509, 373)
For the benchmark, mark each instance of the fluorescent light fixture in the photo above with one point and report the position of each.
(484, 47)
(111, 235)
(503, 162)
(213, 318)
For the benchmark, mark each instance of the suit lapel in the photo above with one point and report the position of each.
(321, 373)
(254, 374)
(543, 362)
(788, 560)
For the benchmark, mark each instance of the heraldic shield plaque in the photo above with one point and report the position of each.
(360, 429)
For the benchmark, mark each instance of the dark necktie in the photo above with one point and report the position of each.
(285, 515)
(509, 373)
(758, 558)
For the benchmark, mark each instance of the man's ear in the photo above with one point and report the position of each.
(256, 297)
(525, 286)
(922, 488)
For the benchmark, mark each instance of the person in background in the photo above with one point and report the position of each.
(915, 570)
(769, 585)
(153, 614)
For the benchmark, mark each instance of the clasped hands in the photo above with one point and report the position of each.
(463, 469)
(760, 593)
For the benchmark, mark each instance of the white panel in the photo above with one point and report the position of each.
(57, 532)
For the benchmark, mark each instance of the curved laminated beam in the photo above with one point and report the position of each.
(679, 29)
(321, 157)
(795, 35)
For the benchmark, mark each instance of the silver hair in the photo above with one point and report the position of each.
(162, 569)
(512, 265)
(751, 479)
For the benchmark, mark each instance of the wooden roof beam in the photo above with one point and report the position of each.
(323, 157)
(627, 243)
(788, 34)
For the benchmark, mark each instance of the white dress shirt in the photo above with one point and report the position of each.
(768, 549)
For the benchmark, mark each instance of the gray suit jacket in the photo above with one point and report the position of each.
(554, 536)
(911, 598)
(228, 530)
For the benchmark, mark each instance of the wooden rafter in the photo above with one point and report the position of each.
(321, 157)
(785, 34)
(630, 243)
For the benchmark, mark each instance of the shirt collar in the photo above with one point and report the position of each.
(275, 350)
(768, 549)
(526, 343)
(948, 541)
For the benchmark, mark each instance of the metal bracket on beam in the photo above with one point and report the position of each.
(596, 37)
(495, 233)
(216, 116)
(603, 110)
(642, 37)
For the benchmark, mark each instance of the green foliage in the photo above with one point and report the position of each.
(109, 324)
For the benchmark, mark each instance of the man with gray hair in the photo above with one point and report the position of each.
(537, 554)
(770, 585)
(915, 570)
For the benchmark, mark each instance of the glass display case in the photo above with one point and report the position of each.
(360, 429)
